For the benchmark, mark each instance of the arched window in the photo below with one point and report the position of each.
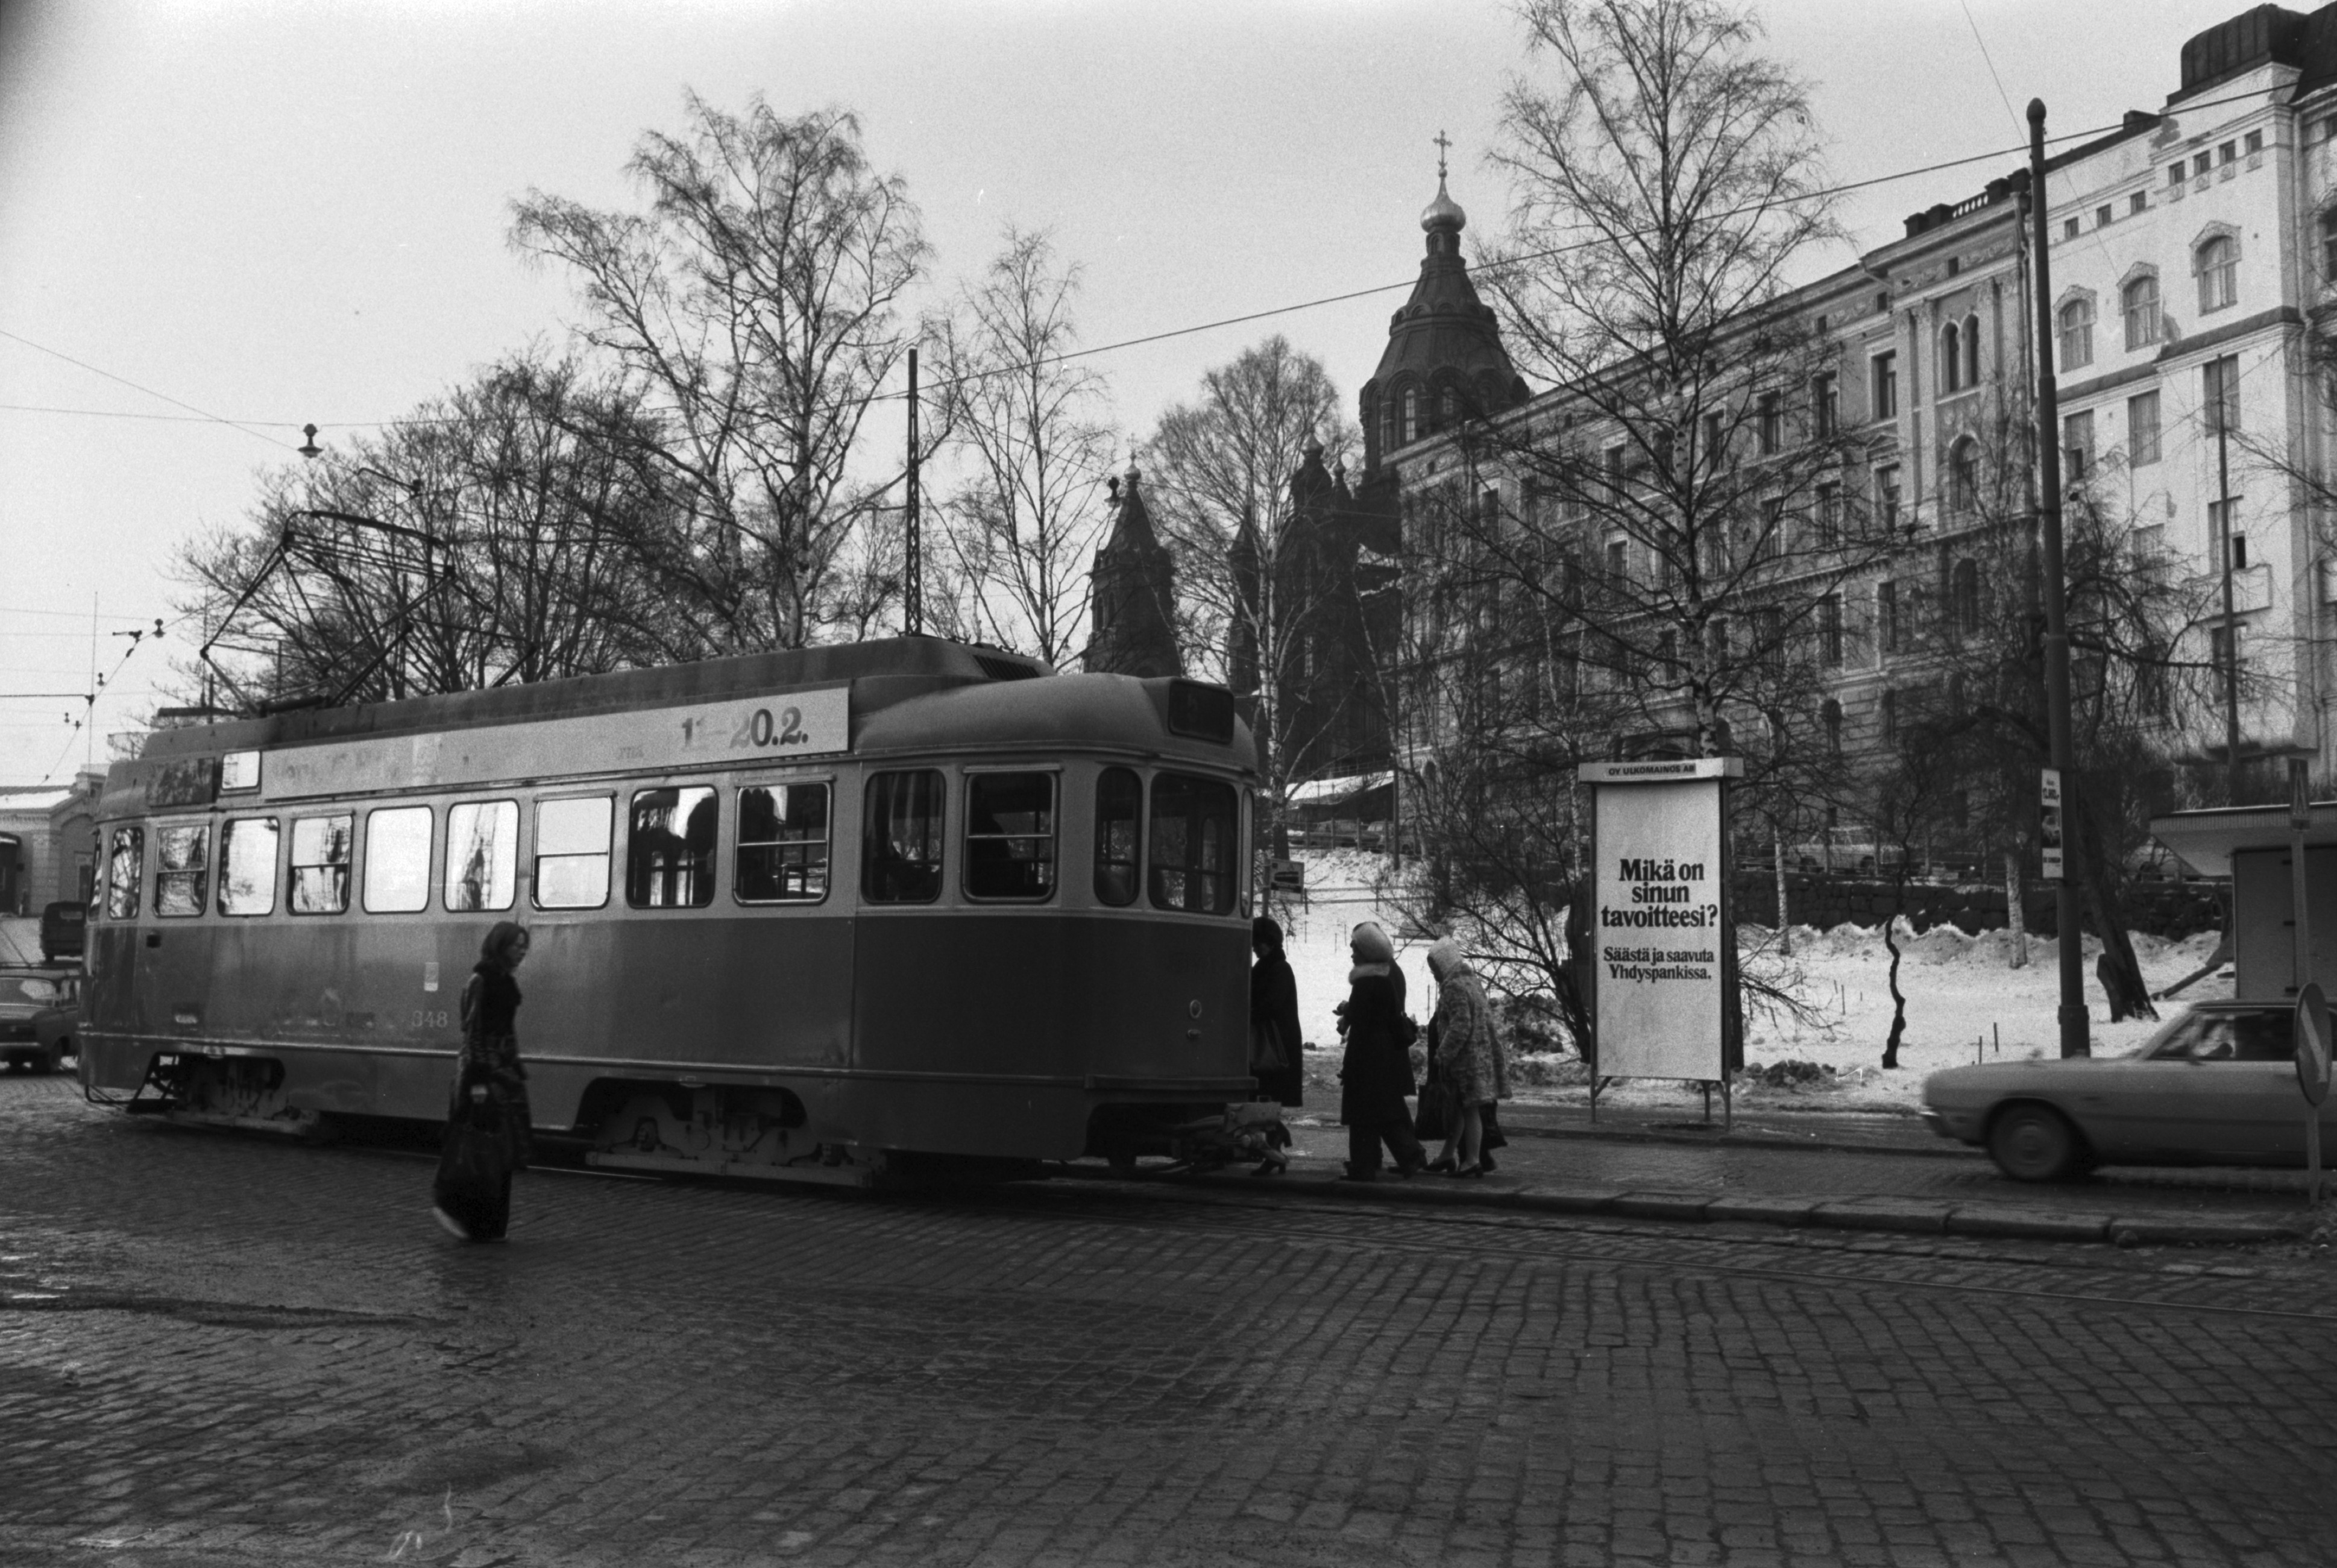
(1951, 359)
(1410, 416)
(2139, 302)
(2217, 263)
(1447, 406)
(1963, 475)
(2077, 334)
(1971, 350)
(1830, 720)
(1966, 597)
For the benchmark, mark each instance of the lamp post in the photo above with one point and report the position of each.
(2073, 1015)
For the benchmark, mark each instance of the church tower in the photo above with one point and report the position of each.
(1132, 594)
(1444, 362)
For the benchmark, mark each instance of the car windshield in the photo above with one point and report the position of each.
(2177, 1027)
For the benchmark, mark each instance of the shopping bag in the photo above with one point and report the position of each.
(1434, 1118)
(473, 1186)
(1265, 1051)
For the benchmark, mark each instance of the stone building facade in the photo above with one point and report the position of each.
(1132, 590)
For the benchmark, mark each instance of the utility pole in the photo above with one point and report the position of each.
(2073, 1016)
(2221, 534)
(913, 573)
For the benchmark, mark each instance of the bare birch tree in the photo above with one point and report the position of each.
(754, 307)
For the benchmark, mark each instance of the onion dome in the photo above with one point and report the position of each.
(1443, 213)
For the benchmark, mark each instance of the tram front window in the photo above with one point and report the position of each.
(670, 854)
(901, 859)
(183, 877)
(782, 845)
(1009, 835)
(124, 866)
(1193, 851)
(1119, 803)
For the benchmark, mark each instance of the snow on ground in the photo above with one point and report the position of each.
(1964, 997)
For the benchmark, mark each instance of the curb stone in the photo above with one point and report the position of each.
(1899, 1216)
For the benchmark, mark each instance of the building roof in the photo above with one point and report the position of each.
(1444, 326)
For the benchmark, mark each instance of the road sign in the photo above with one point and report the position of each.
(2313, 1045)
(2049, 823)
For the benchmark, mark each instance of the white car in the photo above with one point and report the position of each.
(1851, 850)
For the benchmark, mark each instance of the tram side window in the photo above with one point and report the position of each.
(670, 853)
(782, 845)
(901, 852)
(320, 864)
(1194, 821)
(1009, 835)
(1120, 802)
(182, 874)
(247, 867)
(397, 860)
(572, 852)
(126, 865)
(481, 854)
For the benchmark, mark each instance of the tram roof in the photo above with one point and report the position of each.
(907, 696)
(880, 672)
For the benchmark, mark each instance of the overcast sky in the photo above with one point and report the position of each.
(278, 213)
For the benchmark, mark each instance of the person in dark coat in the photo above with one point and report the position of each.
(1274, 1003)
(488, 1135)
(1376, 1077)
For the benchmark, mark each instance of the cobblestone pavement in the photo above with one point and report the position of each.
(219, 1351)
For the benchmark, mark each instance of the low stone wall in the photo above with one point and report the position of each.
(2169, 909)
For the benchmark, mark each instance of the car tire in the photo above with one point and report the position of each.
(2034, 1143)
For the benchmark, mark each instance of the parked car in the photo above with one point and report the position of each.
(2155, 862)
(1850, 850)
(62, 925)
(2214, 1086)
(37, 1010)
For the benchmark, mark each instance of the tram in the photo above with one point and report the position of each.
(835, 915)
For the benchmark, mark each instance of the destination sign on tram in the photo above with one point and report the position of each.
(740, 731)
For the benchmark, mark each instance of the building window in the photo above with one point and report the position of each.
(2200, 164)
(1971, 350)
(2139, 302)
(1886, 496)
(1825, 404)
(2069, 228)
(2221, 515)
(2077, 334)
(2255, 142)
(670, 850)
(2101, 216)
(1613, 459)
(2175, 174)
(2142, 429)
(1886, 616)
(1963, 477)
(1009, 835)
(2328, 245)
(1829, 516)
(1887, 715)
(2226, 155)
(1772, 422)
(2220, 394)
(2138, 202)
(1830, 720)
(1885, 368)
(1410, 416)
(1830, 631)
(782, 856)
(2076, 447)
(2218, 265)
(1618, 560)
(1951, 359)
(1964, 601)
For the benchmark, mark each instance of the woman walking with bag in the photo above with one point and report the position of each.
(1376, 1077)
(1467, 1056)
(1276, 1056)
(487, 1133)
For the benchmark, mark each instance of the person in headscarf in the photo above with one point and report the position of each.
(488, 1135)
(1375, 1075)
(1274, 1003)
(1468, 1056)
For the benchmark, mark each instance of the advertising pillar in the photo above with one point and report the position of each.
(1663, 963)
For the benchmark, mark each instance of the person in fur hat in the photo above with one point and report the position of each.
(1375, 1074)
